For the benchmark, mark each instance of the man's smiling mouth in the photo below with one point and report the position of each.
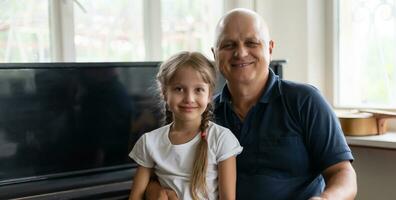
(241, 64)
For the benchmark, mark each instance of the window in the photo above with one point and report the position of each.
(24, 31)
(367, 54)
(188, 25)
(101, 30)
(108, 31)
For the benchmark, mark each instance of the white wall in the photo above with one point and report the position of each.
(298, 29)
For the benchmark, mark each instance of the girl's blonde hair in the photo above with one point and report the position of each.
(206, 69)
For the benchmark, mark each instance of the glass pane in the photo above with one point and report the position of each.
(367, 53)
(109, 31)
(189, 25)
(24, 31)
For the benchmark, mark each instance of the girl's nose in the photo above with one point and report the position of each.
(189, 97)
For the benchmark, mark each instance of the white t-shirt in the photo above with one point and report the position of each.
(173, 163)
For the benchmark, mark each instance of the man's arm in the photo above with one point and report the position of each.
(140, 181)
(227, 178)
(340, 181)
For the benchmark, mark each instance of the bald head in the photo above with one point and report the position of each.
(242, 16)
(243, 49)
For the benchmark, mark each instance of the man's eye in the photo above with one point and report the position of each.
(252, 44)
(227, 46)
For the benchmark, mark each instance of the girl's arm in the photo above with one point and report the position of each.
(140, 181)
(227, 178)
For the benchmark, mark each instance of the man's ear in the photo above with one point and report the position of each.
(271, 46)
(213, 52)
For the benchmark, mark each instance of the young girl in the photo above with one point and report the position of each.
(190, 154)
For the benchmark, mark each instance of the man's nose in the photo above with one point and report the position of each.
(240, 51)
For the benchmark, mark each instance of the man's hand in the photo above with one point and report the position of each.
(171, 194)
(317, 198)
(155, 191)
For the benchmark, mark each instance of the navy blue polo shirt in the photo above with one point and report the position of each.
(289, 137)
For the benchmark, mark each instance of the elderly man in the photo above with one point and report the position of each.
(293, 145)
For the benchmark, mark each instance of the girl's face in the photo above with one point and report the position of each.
(187, 95)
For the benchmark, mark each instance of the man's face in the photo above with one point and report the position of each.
(241, 54)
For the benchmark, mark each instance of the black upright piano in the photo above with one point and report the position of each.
(66, 128)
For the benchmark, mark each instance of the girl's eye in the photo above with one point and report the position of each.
(200, 90)
(178, 89)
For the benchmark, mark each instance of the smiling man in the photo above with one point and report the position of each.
(294, 147)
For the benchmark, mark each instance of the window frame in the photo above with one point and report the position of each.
(61, 24)
(333, 59)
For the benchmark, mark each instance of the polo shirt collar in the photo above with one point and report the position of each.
(225, 95)
(270, 90)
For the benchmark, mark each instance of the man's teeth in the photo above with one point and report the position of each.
(241, 65)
